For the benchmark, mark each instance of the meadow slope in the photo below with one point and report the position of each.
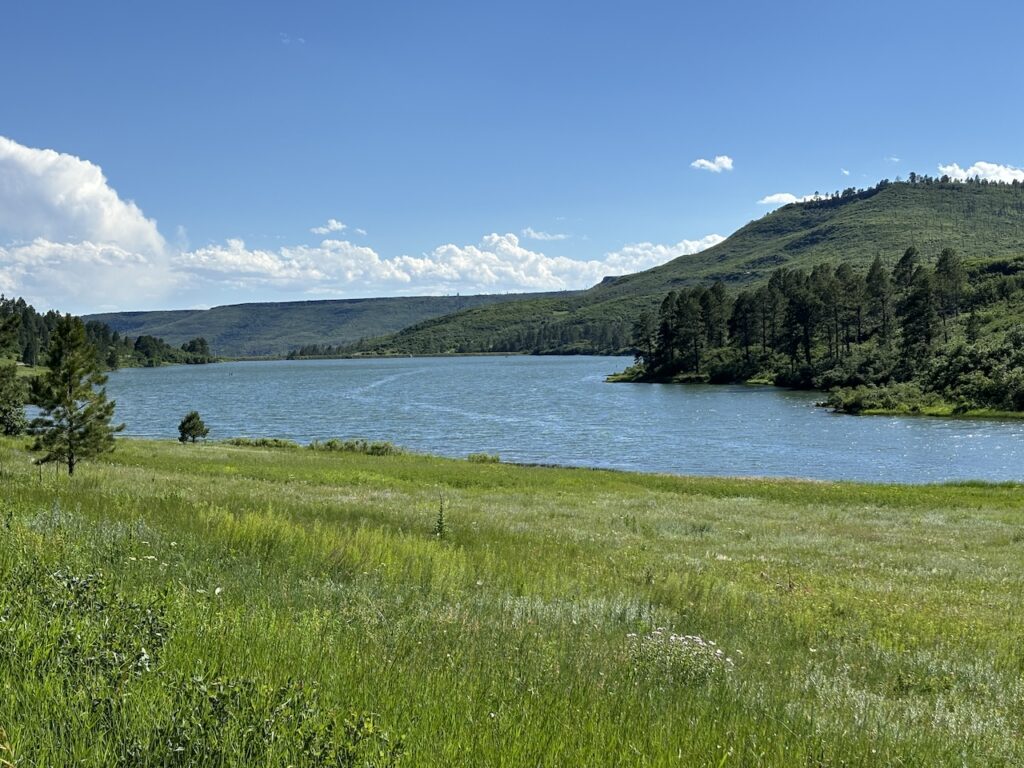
(211, 604)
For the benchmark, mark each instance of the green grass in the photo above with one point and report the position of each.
(865, 624)
(30, 371)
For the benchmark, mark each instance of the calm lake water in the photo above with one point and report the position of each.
(559, 410)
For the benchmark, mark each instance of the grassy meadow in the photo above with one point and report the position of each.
(236, 605)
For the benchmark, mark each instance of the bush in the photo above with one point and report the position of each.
(261, 442)
(370, 448)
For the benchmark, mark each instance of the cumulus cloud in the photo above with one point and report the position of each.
(498, 263)
(332, 225)
(69, 241)
(67, 237)
(533, 234)
(988, 171)
(719, 164)
(785, 198)
(63, 198)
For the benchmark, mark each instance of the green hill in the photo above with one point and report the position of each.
(980, 220)
(240, 330)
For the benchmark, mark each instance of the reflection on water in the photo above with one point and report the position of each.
(559, 410)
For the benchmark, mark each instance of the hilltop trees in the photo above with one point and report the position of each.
(76, 415)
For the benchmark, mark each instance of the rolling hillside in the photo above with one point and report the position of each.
(979, 220)
(274, 329)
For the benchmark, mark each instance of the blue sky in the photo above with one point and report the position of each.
(449, 138)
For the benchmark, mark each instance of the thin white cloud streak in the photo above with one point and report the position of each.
(719, 164)
(844, 172)
(785, 198)
(332, 225)
(534, 234)
(988, 171)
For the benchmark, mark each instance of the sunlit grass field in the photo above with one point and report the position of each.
(224, 605)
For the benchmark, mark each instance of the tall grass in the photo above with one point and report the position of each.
(214, 604)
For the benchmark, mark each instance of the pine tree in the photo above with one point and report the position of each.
(12, 389)
(12, 400)
(919, 317)
(192, 428)
(75, 421)
(879, 288)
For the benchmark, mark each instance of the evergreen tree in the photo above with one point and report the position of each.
(714, 305)
(743, 323)
(903, 272)
(879, 293)
(919, 317)
(852, 298)
(192, 428)
(12, 389)
(666, 330)
(75, 421)
(950, 284)
(644, 337)
(13, 393)
(691, 328)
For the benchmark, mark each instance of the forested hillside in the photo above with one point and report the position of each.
(29, 333)
(275, 329)
(942, 338)
(980, 220)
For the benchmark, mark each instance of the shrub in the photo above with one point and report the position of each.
(370, 448)
(261, 442)
(484, 458)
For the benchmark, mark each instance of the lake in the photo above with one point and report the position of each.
(559, 410)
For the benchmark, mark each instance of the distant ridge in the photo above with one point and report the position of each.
(980, 220)
(274, 329)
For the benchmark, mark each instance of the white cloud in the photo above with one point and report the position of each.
(892, 159)
(719, 164)
(63, 198)
(533, 234)
(785, 198)
(67, 240)
(332, 225)
(988, 171)
(498, 263)
(83, 276)
(844, 172)
(639, 256)
(360, 231)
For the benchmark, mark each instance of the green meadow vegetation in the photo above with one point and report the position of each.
(212, 604)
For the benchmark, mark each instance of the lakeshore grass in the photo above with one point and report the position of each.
(240, 605)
